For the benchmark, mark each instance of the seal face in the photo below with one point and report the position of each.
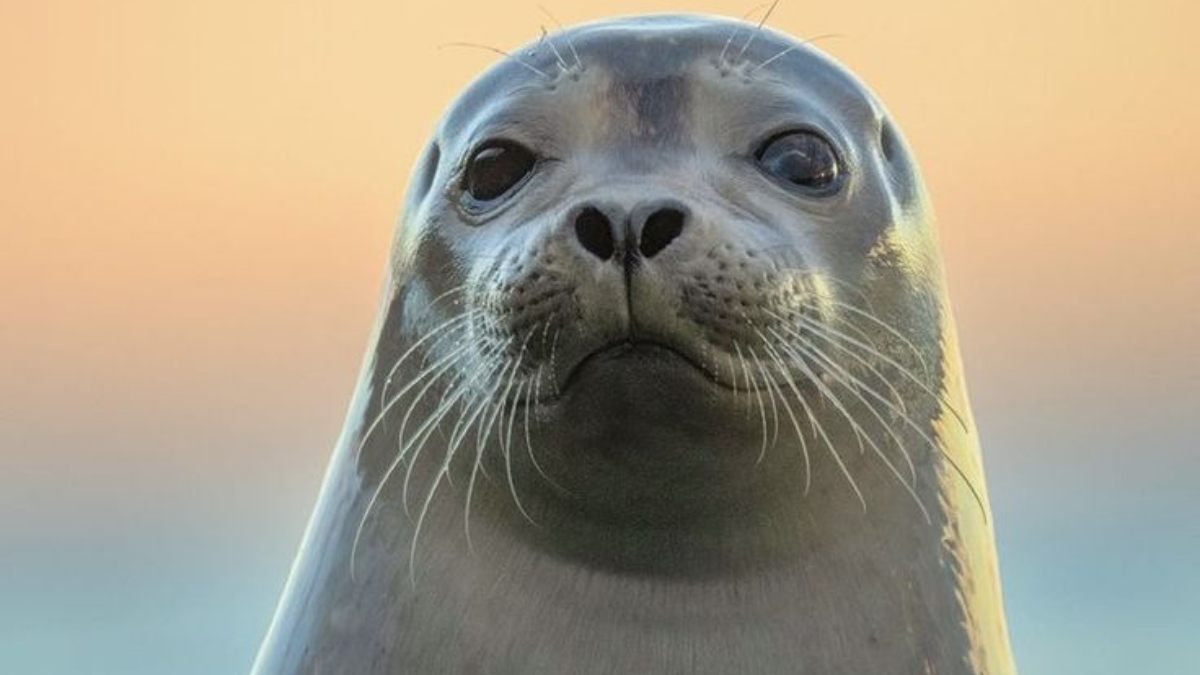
(665, 345)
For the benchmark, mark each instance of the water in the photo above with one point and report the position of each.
(1092, 587)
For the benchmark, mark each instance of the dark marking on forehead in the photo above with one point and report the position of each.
(659, 107)
(652, 57)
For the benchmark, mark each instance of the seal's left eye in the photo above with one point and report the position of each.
(800, 158)
(495, 168)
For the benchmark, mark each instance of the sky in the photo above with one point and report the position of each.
(196, 208)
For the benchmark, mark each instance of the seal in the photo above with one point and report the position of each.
(664, 380)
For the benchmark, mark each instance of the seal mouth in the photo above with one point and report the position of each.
(645, 350)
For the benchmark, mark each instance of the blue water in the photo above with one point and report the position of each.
(1116, 594)
(1106, 590)
(134, 607)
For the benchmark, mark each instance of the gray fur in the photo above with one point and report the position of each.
(749, 453)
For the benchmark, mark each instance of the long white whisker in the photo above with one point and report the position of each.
(496, 50)
(419, 438)
(387, 380)
(886, 327)
(733, 34)
(512, 418)
(467, 387)
(756, 31)
(461, 429)
(566, 36)
(870, 441)
(910, 422)
(537, 392)
(462, 425)
(444, 364)
(910, 488)
(451, 449)
(854, 424)
(481, 440)
(818, 331)
(752, 385)
(549, 42)
(817, 426)
(771, 396)
(795, 423)
(833, 362)
(828, 330)
(848, 379)
(443, 328)
(789, 50)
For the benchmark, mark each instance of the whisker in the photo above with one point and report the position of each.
(816, 424)
(452, 449)
(735, 31)
(907, 419)
(791, 49)
(756, 31)
(462, 428)
(795, 424)
(384, 409)
(441, 366)
(488, 358)
(537, 391)
(845, 378)
(752, 386)
(501, 52)
(566, 36)
(485, 432)
(562, 64)
(733, 374)
(912, 377)
(771, 397)
(888, 328)
(827, 394)
(554, 358)
(854, 424)
(865, 363)
(421, 436)
(512, 485)
(506, 441)
(909, 487)
(387, 381)
(816, 332)
(512, 421)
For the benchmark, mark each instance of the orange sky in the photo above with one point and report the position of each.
(198, 199)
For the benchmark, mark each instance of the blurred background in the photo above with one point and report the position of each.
(196, 200)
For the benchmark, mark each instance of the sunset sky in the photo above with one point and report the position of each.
(196, 207)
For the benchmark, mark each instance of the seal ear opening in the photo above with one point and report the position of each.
(887, 140)
(426, 172)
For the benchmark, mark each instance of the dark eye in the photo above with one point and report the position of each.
(495, 168)
(800, 158)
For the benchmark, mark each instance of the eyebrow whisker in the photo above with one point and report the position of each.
(791, 49)
(496, 50)
(758, 29)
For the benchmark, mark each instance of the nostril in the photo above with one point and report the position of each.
(595, 233)
(661, 228)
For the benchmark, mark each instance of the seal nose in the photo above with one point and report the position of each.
(594, 230)
(602, 230)
(657, 224)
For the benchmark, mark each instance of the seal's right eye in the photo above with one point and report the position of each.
(801, 159)
(495, 168)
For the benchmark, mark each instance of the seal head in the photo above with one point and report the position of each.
(665, 376)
